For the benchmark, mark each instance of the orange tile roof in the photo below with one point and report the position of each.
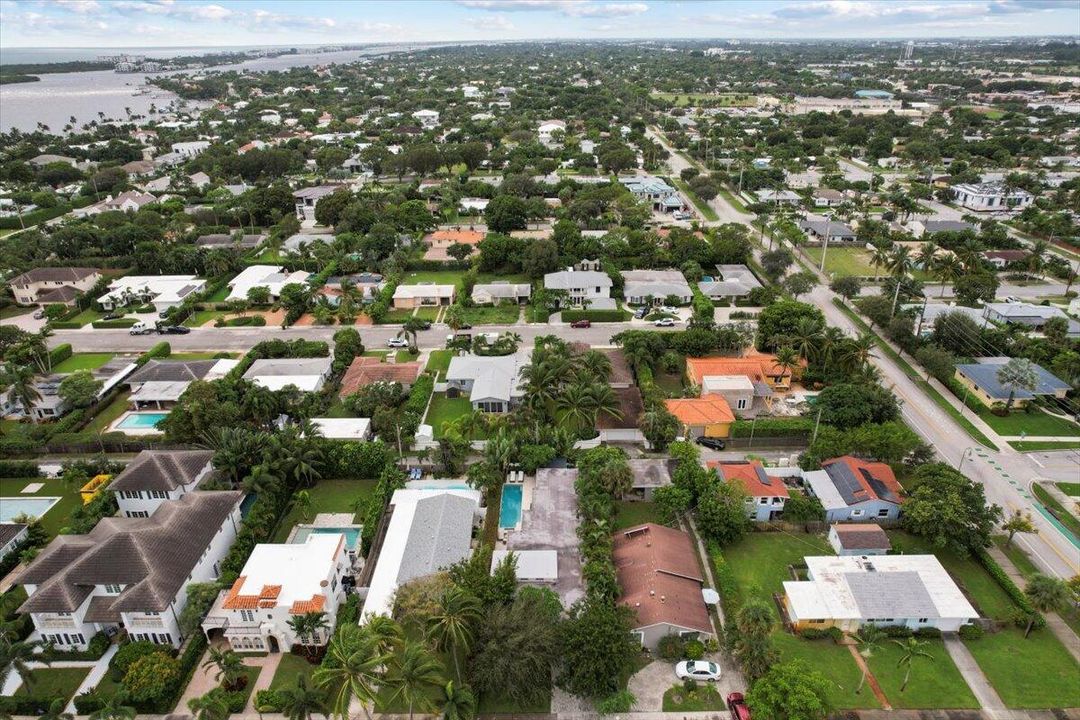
(235, 601)
(879, 471)
(367, 370)
(753, 365)
(701, 411)
(315, 604)
(748, 474)
(449, 237)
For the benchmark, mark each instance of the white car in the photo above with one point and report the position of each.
(664, 322)
(698, 670)
(396, 343)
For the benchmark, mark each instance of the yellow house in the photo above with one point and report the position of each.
(708, 416)
(980, 380)
(92, 489)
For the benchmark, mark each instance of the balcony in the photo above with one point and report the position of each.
(145, 622)
(56, 624)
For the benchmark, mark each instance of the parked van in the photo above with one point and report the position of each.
(142, 328)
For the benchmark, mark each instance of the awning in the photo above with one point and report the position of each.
(710, 596)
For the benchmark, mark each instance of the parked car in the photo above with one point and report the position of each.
(581, 324)
(668, 309)
(425, 325)
(641, 312)
(397, 343)
(698, 670)
(141, 328)
(737, 704)
(173, 330)
(664, 322)
(112, 316)
(39, 314)
(710, 442)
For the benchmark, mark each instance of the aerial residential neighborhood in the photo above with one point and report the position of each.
(544, 360)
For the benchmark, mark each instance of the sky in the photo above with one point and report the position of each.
(181, 23)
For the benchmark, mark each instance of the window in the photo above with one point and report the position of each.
(247, 616)
(742, 404)
(113, 589)
(333, 583)
(883, 512)
(856, 513)
(763, 501)
(924, 620)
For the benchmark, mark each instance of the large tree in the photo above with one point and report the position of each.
(596, 648)
(848, 405)
(505, 213)
(949, 509)
(790, 691)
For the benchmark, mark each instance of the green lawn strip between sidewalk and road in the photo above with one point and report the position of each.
(1035, 423)
(703, 207)
(915, 377)
(1064, 515)
(1037, 445)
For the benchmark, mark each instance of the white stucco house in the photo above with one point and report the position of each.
(492, 384)
(592, 286)
(271, 277)
(428, 119)
(994, 196)
(156, 476)
(306, 374)
(162, 291)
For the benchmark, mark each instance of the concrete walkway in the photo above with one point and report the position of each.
(984, 692)
(94, 676)
(269, 665)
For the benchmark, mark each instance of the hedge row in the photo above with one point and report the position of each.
(595, 315)
(119, 324)
(419, 395)
(159, 351)
(97, 646)
(59, 354)
(19, 469)
(773, 427)
(1015, 593)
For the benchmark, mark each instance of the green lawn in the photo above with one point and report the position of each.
(702, 207)
(396, 316)
(201, 317)
(1069, 488)
(86, 316)
(209, 355)
(13, 311)
(327, 496)
(670, 383)
(435, 277)
(1027, 568)
(439, 361)
(402, 356)
(1037, 672)
(832, 661)
(83, 361)
(220, 295)
(489, 705)
(1037, 445)
(629, 513)
(760, 561)
(54, 682)
(933, 684)
(444, 409)
(1065, 516)
(492, 315)
(1034, 423)
(990, 600)
(719, 100)
(107, 415)
(843, 260)
(289, 669)
(703, 698)
(57, 516)
(428, 312)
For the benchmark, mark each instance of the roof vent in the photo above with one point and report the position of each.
(663, 599)
(652, 593)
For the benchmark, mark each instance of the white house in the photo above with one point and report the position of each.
(163, 291)
(992, 196)
(281, 582)
(642, 286)
(357, 429)
(851, 591)
(581, 285)
(730, 281)
(428, 119)
(308, 198)
(48, 285)
(491, 383)
(130, 572)
(501, 292)
(271, 277)
(156, 476)
(190, 149)
(548, 128)
(307, 374)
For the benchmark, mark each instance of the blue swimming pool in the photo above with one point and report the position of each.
(13, 507)
(510, 509)
(352, 534)
(142, 420)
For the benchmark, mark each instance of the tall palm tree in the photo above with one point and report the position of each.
(787, 359)
(1046, 594)
(309, 628)
(596, 364)
(1036, 261)
(453, 623)
(15, 656)
(18, 383)
(927, 254)
(900, 264)
(911, 649)
(114, 709)
(301, 700)
(868, 640)
(458, 703)
(832, 339)
(806, 337)
(384, 631)
(414, 673)
(229, 665)
(211, 706)
(573, 402)
(412, 326)
(1017, 374)
(947, 269)
(859, 350)
(879, 257)
(355, 666)
(601, 400)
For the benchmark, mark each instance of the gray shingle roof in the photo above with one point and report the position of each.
(171, 371)
(151, 556)
(161, 470)
(440, 535)
(52, 274)
(896, 595)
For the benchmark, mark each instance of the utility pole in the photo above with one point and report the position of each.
(825, 247)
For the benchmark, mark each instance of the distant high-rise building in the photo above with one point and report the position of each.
(909, 49)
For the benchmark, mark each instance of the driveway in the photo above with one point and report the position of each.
(25, 321)
(651, 682)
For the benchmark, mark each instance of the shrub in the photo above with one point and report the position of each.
(812, 633)
(152, 679)
(971, 632)
(694, 650)
(19, 469)
(88, 702)
(268, 701)
(59, 354)
(157, 352)
(1015, 593)
(897, 631)
(835, 633)
(126, 656)
(928, 632)
(619, 702)
(29, 705)
(97, 646)
(595, 315)
(119, 324)
(670, 647)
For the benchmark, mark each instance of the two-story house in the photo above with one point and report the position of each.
(308, 198)
(50, 285)
(130, 573)
(279, 583)
(155, 476)
(582, 286)
(766, 495)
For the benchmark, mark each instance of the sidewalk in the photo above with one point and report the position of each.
(94, 676)
(973, 675)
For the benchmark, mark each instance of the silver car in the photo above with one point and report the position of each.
(698, 670)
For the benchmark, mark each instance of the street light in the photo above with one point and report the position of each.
(963, 456)
(825, 247)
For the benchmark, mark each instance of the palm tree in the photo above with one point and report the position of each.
(1036, 261)
(947, 269)
(56, 711)
(301, 700)
(879, 257)
(384, 631)
(302, 502)
(596, 364)
(806, 337)
(900, 264)
(458, 703)
(414, 673)
(18, 382)
(354, 666)
(832, 339)
(229, 665)
(308, 629)
(1017, 374)
(600, 399)
(1017, 522)
(1046, 594)
(868, 640)
(114, 709)
(927, 254)
(412, 326)
(15, 656)
(211, 706)
(911, 649)
(452, 624)
(787, 359)
(573, 402)
(859, 350)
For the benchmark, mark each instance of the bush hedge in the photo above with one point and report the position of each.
(773, 427)
(59, 354)
(1015, 593)
(119, 324)
(64, 325)
(159, 351)
(595, 315)
(97, 646)
(268, 701)
(19, 469)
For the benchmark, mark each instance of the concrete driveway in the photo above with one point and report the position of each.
(651, 682)
(25, 321)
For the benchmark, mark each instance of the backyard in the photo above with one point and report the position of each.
(108, 414)
(759, 562)
(629, 513)
(445, 409)
(328, 496)
(843, 261)
(57, 516)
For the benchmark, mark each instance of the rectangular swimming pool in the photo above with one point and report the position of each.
(352, 534)
(142, 420)
(510, 509)
(36, 507)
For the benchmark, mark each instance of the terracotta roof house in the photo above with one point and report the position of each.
(130, 572)
(440, 241)
(278, 583)
(661, 582)
(854, 490)
(759, 367)
(859, 539)
(155, 476)
(366, 371)
(710, 416)
(767, 494)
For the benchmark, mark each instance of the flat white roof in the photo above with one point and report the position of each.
(384, 581)
(271, 277)
(532, 565)
(823, 487)
(299, 568)
(726, 382)
(343, 428)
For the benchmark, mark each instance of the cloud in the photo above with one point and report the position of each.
(494, 22)
(570, 8)
(82, 7)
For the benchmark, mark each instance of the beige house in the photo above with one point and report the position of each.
(413, 296)
(48, 285)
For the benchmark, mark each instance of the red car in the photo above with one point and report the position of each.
(737, 705)
(581, 324)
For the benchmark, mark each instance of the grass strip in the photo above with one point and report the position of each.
(701, 205)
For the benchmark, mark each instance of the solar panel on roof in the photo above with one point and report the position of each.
(880, 488)
(849, 487)
(761, 476)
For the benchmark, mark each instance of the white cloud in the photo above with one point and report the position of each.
(82, 7)
(570, 8)
(494, 22)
